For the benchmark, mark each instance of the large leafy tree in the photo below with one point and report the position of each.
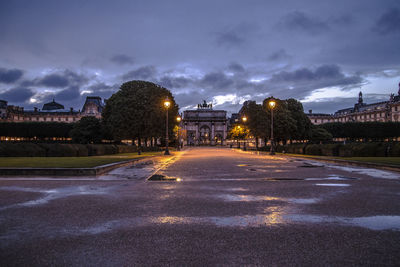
(87, 130)
(284, 125)
(257, 122)
(136, 111)
(303, 123)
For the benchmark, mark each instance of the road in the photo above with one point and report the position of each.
(231, 208)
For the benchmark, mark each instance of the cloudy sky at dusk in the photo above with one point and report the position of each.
(320, 52)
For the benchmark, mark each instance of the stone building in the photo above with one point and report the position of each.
(361, 112)
(205, 126)
(51, 112)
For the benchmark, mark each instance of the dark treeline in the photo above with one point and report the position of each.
(375, 131)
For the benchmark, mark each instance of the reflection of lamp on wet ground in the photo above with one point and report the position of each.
(244, 119)
(167, 104)
(272, 105)
(178, 119)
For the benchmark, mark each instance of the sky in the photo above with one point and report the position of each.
(320, 52)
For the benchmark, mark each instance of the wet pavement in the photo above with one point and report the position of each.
(223, 207)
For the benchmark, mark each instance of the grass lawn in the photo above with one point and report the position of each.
(70, 162)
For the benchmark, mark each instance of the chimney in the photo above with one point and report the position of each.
(71, 110)
(310, 111)
(35, 109)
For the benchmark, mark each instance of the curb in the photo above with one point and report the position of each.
(95, 171)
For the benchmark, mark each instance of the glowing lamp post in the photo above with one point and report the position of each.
(272, 105)
(167, 104)
(244, 119)
(178, 119)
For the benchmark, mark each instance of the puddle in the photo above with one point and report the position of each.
(341, 185)
(246, 198)
(309, 165)
(54, 193)
(249, 198)
(160, 177)
(284, 179)
(370, 172)
(373, 222)
(278, 217)
(338, 178)
(244, 165)
(304, 200)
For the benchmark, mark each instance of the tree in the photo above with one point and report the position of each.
(319, 134)
(86, 131)
(238, 132)
(258, 122)
(284, 125)
(303, 123)
(136, 111)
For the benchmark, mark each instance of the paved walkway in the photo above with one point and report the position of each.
(231, 208)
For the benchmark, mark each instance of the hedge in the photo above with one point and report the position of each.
(25, 149)
(372, 149)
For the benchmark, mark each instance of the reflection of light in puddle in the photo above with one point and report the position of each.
(246, 198)
(333, 185)
(275, 216)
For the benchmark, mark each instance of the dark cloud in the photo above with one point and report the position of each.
(68, 94)
(216, 80)
(10, 76)
(122, 59)
(279, 55)
(330, 74)
(389, 22)
(236, 67)
(17, 95)
(299, 21)
(142, 73)
(62, 79)
(235, 36)
(174, 82)
(101, 89)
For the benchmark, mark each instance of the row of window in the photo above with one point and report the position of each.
(44, 119)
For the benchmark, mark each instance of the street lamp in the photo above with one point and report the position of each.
(238, 134)
(167, 104)
(178, 119)
(244, 119)
(272, 105)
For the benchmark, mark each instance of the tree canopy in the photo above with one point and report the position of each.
(87, 130)
(137, 111)
(290, 122)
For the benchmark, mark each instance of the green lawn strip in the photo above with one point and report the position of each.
(69, 162)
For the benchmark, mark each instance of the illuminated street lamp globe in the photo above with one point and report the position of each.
(244, 118)
(167, 103)
(272, 104)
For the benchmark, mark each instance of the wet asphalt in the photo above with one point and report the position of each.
(231, 208)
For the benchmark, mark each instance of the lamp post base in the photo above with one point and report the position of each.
(166, 152)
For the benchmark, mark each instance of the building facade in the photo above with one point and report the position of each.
(361, 112)
(205, 126)
(51, 112)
